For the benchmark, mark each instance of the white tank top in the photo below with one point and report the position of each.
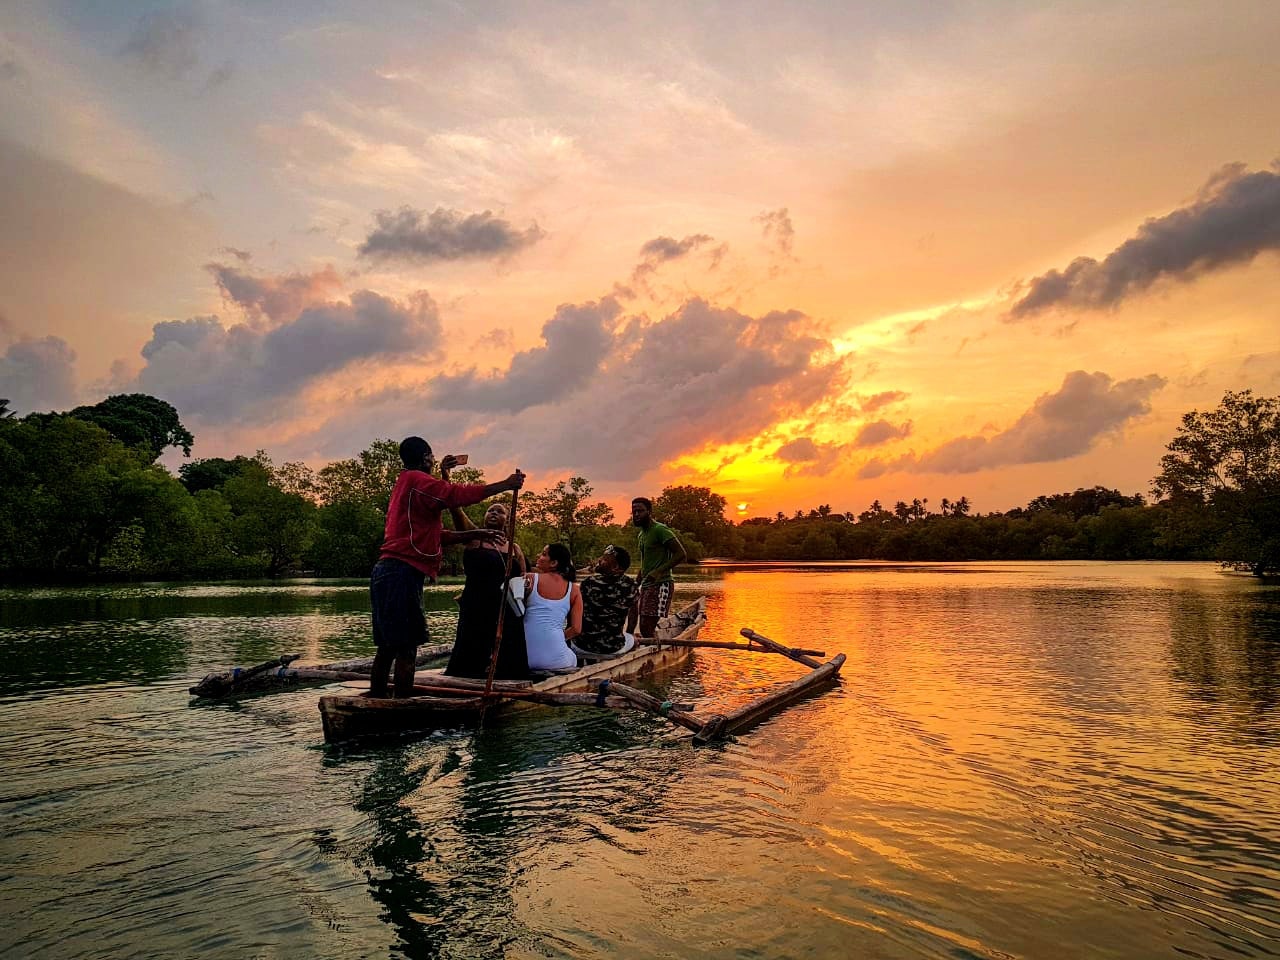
(544, 622)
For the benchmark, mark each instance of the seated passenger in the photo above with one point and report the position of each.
(607, 596)
(553, 610)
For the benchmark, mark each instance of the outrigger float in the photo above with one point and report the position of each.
(441, 701)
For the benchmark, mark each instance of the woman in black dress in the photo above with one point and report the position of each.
(485, 566)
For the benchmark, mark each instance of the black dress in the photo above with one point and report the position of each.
(478, 621)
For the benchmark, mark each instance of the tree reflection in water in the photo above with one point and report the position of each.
(1225, 649)
(461, 820)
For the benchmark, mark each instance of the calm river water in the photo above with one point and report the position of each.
(1023, 760)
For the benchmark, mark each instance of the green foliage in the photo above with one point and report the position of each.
(699, 515)
(139, 420)
(211, 473)
(348, 535)
(1083, 524)
(1082, 503)
(567, 515)
(366, 478)
(1229, 459)
(353, 495)
(69, 490)
(270, 527)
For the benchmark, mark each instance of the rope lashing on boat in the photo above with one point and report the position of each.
(601, 692)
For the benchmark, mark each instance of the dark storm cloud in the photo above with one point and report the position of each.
(279, 297)
(660, 250)
(576, 340)
(701, 375)
(412, 235)
(236, 373)
(1235, 217)
(799, 450)
(778, 231)
(881, 431)
(38, 375)
(1061, 425)
(165, 42)
(805, 457)
(877, 400)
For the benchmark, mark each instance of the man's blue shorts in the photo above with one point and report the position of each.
(395, 589)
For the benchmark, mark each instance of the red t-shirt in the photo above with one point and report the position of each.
(413, 517)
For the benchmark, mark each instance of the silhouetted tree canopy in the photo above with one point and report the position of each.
(1229, 459)
(79, 498)
(139, 420)
(211, 473)
(699, 513)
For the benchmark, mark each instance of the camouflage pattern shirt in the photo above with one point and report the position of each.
(605, 602)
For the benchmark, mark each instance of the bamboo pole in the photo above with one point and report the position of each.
(726, 645)
(550, 698)
(651, 703)
(472, 683)
(800, 656)
(229, 682)
(721, 725)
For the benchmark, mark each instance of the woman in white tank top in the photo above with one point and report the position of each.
(551, 600)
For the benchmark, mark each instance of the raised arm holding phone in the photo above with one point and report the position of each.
(412, 547)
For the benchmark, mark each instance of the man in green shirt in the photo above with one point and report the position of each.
(659, 550)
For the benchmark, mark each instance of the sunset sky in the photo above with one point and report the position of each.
(799, 253)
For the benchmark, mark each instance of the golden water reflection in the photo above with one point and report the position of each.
(1037, 741)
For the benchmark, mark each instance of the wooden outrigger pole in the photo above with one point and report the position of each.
(279, 674)
(730, 645)
(717, 725)
(748, 715)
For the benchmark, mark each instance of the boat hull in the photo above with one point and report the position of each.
(355, 716)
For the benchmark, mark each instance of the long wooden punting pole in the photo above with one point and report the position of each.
(502, 597)
(755, 711)
(726, 645)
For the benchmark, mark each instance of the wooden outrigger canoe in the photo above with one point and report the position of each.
(351, 716)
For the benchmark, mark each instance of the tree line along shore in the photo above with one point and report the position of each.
(82, 498)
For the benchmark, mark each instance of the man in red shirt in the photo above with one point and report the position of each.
(411, 549)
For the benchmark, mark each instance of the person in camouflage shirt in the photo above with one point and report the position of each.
(608, 596)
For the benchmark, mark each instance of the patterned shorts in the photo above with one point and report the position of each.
(655, 599)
